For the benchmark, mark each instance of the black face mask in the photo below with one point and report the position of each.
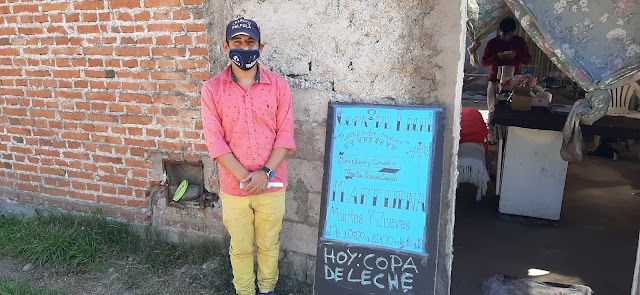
(244, 59)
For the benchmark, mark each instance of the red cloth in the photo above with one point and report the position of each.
(497, 44)
(473, 128)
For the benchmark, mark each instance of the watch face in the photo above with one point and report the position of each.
(271, 174)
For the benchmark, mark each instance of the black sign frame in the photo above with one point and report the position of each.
(376, 270)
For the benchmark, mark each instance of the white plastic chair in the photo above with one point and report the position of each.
(621, 99)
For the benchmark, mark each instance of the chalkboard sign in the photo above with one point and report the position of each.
(380, 200)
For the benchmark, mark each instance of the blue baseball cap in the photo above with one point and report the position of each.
(242, 26)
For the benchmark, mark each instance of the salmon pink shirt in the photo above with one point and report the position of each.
(249, 123)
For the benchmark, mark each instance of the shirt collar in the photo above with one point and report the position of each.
(256, 79)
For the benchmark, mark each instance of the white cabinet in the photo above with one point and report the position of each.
(532, 175)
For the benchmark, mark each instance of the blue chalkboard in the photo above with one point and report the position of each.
(380, 198)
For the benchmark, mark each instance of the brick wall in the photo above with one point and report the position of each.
(90, 90)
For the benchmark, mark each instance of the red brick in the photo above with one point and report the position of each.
(80, 175)
(15, 112)
(135, 131)
(137, 120)
(181, 14)
(8, 31)
(92, 29)
(193, 2)
(129, 162)
(161, 15)
(162, 3)
(196, 28)
(75, 156)
(140, 142)
(96, 62)
(142, 16)
(30, 31)
(165, 28)
(177, 87)
(112, 200)
(66, 74)
(25, 8)
(79, 62)
(42, 18)
(98, 51)
(138, 98)
(183, 40)
(75, 136)
(9, 51)
(10, 72)
(171, 133)
(200, 75)
(38, 93)
(37, 73)
(169, 52)
(99, 106)
(46, 41)
(52, 171)
(26, 19)
(112, 63)
(74, 116)
(88, 5)
(58, 18)
(67, 50)
(55, 7)
(132, 51)
(123, 16)
(116, 4)
(95, 74)
(36, 51)
(168, 76)
(89, 17)
(164, 40)
(104, 96)
(67, 94)
(105, 16)
(115, 179)
(133, 63)
(106, 159)
(186, 64)
(116, 108)
(134, 75)
(198, 51)
(56, 30)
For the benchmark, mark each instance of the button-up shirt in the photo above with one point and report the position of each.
(249, 123)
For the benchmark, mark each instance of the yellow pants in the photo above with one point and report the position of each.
(254, 218)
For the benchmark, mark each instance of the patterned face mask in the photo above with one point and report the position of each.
(244, 59)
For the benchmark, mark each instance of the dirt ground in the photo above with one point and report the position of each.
(121, 278)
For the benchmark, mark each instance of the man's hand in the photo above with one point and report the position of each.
(509, 55)
(255, 183)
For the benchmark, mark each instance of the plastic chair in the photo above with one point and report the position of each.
(621, 99)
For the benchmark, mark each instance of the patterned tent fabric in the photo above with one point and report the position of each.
(595, 43)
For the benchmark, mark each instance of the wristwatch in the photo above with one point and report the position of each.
(271, 174)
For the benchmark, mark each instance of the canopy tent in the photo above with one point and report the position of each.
(595, 43)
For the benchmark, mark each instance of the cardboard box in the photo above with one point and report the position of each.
(521, 99)
(521, 103)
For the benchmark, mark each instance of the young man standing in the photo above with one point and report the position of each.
(507, 49)
(248, 129)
